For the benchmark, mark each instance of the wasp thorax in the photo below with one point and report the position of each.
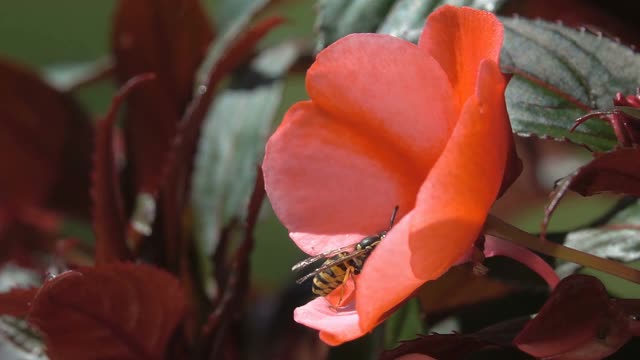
(370, 241)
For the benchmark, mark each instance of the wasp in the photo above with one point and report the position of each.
(341, 263)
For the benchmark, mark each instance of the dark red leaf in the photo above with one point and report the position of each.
(44, 141)
(513, 169)
(16, 301)
(168, 38)
(613, 18)
(492, 342)
(578, 322)
(26, 233)
(115, 311)
(108, 214)
(631, 308)
(615, 171)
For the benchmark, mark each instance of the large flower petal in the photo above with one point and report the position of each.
(460, 39)
(451, 205)
(317, 164)
(363, 145)
(396, 93)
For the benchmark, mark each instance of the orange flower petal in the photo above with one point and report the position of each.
(460, 39)
(387, 278)
(451, 205)
(395, 93)
(316, 164)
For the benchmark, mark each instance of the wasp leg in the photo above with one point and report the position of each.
(347, 276)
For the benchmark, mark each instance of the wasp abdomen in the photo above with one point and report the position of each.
(327, 281)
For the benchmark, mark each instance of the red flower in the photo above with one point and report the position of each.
(391, 123)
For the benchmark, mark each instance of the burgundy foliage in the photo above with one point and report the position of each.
(613, 171)
(168, 38)
(609, 172)
(45, 151)
(108, 212)
(93, 300)
(117, 309)
(579, 321)
(45, 135)
(492, 342)
(15, 302)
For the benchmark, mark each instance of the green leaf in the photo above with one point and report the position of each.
(232, 144)
(400, 18)
(404, 324)
(18, 341)
(337, 18)
(66, 77)
(619, 239)
(227, 13)
(560, 74)
(406, 18)
(239, 15)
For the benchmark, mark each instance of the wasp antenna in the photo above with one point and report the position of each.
(393, 216)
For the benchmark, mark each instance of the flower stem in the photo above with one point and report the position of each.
(498, 228)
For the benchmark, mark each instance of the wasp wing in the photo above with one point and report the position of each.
(310, 260)
(333, 263)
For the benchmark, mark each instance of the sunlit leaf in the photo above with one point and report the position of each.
(406, 18)
(18, 341)
(619, 239)
(401, 18)
(69, 76)
(337, 18)
(560, 74)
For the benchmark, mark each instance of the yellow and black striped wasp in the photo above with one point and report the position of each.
(340, 263)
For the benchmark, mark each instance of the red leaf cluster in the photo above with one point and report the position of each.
(40, 127)
(579, 321)
(117, 309)
(168, 38)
